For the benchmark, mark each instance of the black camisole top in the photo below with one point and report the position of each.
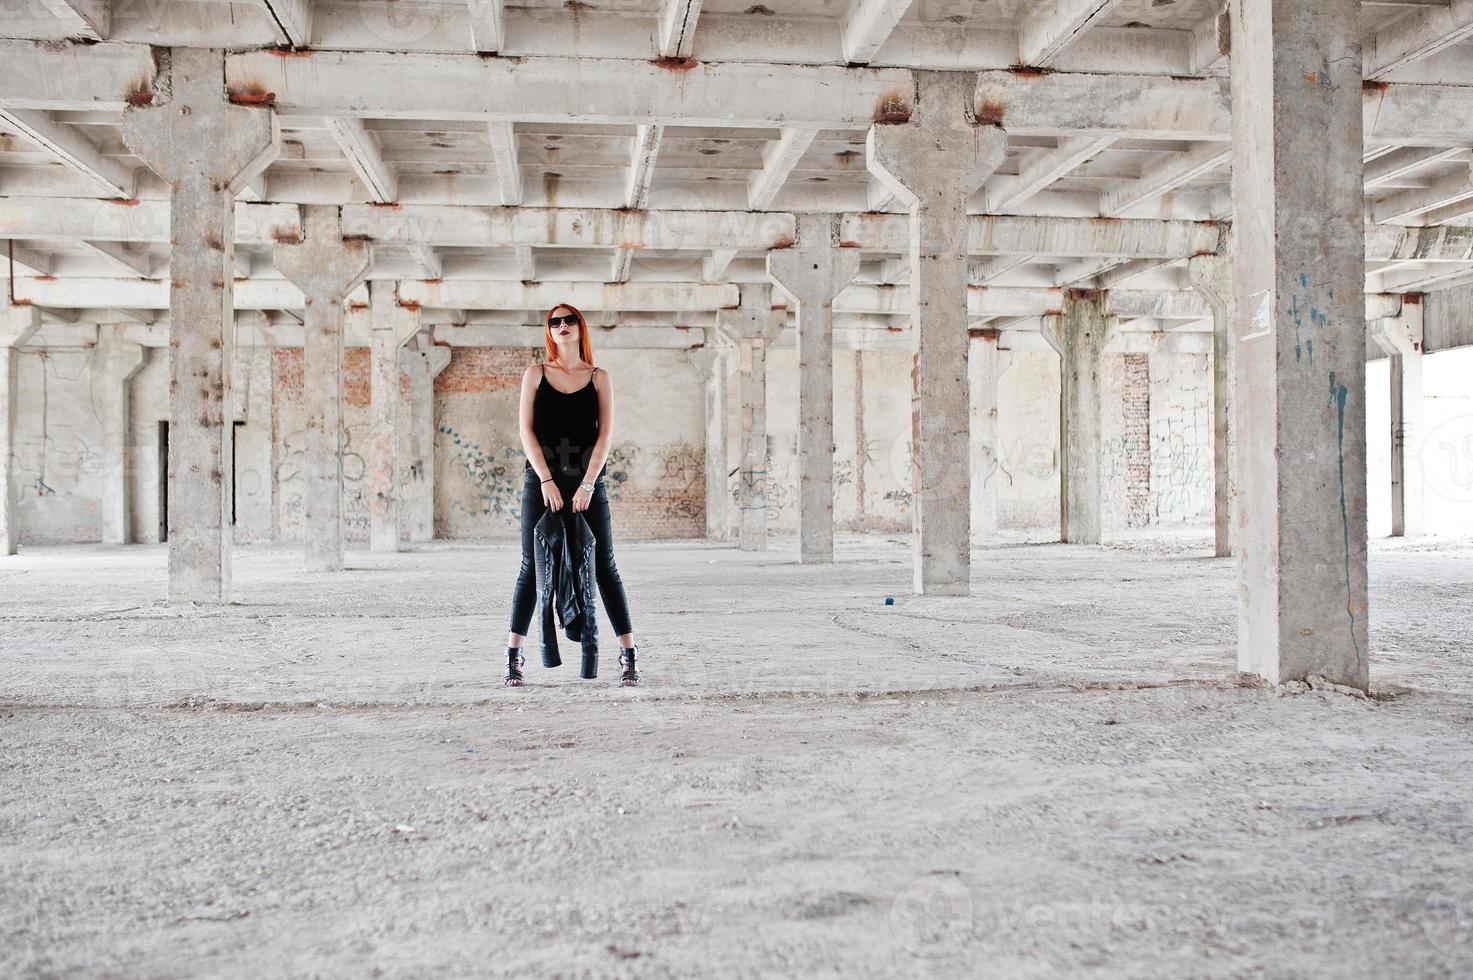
(566, 426)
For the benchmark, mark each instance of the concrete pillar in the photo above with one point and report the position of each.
(812, 274)
(1298, 257)
(751, 327)
(17, 325)
(207, 150)
(393, 326)
(1401, 338)
(423, 363)
(326, 269)
(1080, 334)
(114, 363)
(710, 362)
(986, 363)
(1211, 276)
(934, 162)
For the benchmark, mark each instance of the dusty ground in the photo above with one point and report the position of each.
(1055, 776)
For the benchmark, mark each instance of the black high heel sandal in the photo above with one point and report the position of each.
(630, 677)
(514, 663)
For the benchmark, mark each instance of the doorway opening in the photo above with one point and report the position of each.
(163, 480)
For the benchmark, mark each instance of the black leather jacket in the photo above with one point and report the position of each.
(564, 559)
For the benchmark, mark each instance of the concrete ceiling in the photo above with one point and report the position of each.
(714, 122)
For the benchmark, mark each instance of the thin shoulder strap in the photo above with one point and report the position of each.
(543, 369)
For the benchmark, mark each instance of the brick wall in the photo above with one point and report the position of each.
(483, 369)
(1137, 442)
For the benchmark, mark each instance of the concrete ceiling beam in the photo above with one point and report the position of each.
(503, 137)
(292, 19)
(364, 155)
(1041, 168)
(1418, 35)
(678, 28)
(1019, 235)
(1412, 201)
(1399, 162)
(92, 219)
(1165, 176)
(588, 296)
(65, 76)
(867, 25)
(1057, 25)
(1211, 43)
(88, 18)
(778, 160)
(487, 25)
(583, 90)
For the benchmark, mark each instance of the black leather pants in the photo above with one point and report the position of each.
(606, 573)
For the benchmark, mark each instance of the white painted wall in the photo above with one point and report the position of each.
(1447, 453)
(1028, 433)
(58, 447)
(1181, 438)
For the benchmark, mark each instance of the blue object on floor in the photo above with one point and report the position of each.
(889, 600)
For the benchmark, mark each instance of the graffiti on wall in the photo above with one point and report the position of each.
(1181, 443)
(1181, 471)
(782, 489)
(662, 488)
(677, 472)
(496, 474)
(291, 481)
(843, 472)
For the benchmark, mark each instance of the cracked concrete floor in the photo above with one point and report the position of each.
(1057, 775)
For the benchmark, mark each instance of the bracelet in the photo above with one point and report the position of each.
(548, 480)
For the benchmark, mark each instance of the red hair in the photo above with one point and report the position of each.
(585, 346)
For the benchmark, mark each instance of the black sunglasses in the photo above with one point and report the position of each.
(571, 320)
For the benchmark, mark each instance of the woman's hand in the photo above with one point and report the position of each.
(582, 497)
(552, 496)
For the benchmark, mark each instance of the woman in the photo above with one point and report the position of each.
(566, 422)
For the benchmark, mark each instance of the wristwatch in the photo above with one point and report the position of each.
(587, 486)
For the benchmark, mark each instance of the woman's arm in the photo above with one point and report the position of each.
(524, 424)
(605, 388)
